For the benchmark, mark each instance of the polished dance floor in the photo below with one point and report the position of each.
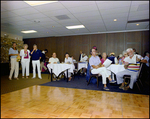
(58, 102)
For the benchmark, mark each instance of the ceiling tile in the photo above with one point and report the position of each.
(115, 10)
(115, 16)
(71, 4)
(12, 5)
(56, 12)
(136, 3)
(7, 14)
(138, 13)
(49, 7)
(83, 9)
(34, 16)
(113, 4)
(145, 16)
(14, 19)
(25, 11)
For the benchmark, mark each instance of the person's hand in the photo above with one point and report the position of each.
(55, 62)
(102, 65)
(126, 63)
(18, 54)
(49, 62)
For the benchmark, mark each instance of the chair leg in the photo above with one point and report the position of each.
(138, 86)
(97, 82)
(140, 82)
(89, 80)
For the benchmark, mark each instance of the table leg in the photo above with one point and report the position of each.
(67, 75)
(51, 75)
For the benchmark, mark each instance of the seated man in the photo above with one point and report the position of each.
(131, 66)
(113, 58)
(53, 60)
(98, 68)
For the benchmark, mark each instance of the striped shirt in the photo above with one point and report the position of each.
(134, 67)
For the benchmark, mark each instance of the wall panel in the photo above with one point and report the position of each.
(110, 42)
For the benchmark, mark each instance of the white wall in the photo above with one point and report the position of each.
(13, 36)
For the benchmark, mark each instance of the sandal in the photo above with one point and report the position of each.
(23, 77)
(27, 77)
(10, 79)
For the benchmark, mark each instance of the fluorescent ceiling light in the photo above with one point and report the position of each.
(29, 31)
(34, 3)
(75, 27)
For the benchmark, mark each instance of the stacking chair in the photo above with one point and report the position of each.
(92, 75)
(127, 78)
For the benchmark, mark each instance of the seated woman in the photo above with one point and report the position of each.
(113, 58)
(68, 60)
(104, 57)
(124, 56)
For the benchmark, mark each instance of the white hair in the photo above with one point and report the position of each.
(124, 52)
(129, 49)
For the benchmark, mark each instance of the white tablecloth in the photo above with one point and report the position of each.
(58, 68)
(82, 65)
(116, 68)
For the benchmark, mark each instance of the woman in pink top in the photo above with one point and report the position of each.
(124, 56)
(104, 57)
(25, 60)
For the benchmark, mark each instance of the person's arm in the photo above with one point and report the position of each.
(10, 53)
(126, 64)
(31, 52)
(116, 61)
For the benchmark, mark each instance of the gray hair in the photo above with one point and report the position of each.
(124, 52)
(129, 49)
(25, 45)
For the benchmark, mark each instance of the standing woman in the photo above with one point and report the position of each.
(13, 53)
(25, 60)
(36, 56)
(69, 60)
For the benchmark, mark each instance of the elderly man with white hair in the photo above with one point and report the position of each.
(132, 65)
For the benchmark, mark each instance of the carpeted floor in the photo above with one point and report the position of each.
(82, 84)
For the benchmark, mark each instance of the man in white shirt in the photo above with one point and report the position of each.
(85, 58)
(53, 59)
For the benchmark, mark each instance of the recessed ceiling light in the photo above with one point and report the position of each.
(29, 31)
(75, 27)
(137, 24)
(34, 3)
(115, 19)
(53, 26)
(47, 32)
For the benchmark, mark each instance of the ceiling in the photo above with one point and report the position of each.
(96, 16)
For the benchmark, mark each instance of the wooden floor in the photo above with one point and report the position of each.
(54, 102)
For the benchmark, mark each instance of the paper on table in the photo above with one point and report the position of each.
(107, 62)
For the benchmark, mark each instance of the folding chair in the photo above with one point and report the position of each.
(92, 75)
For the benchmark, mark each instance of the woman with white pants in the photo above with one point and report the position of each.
(13, 53)
(25, 60)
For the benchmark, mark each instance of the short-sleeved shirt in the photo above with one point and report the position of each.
(147, 58)
(94, 61)
(69, 60)
(12, 51)
(52, 60)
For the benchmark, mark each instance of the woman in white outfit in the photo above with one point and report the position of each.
(68, 60)
(13, 53)
(25, 60)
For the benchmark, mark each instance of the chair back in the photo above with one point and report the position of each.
(139, 72)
